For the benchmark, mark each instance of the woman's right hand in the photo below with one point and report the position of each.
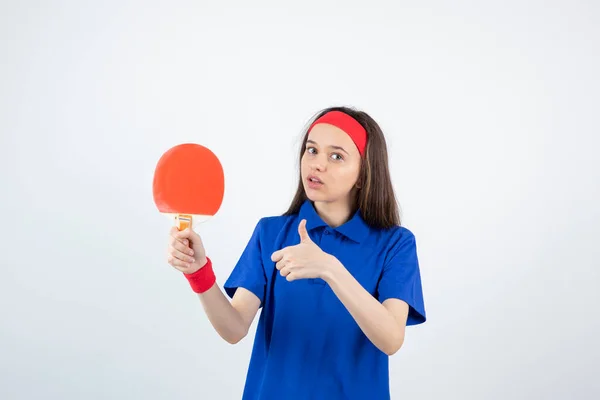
(186, 251)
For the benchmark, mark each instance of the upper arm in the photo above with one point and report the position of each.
(246, 285)
(399, 288)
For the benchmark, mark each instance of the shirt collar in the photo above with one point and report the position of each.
(355, 228)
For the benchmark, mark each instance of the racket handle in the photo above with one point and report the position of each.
(183, 221)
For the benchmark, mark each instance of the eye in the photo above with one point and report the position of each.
(311, 150)
(337, 156)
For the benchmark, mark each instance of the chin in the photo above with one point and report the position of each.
(320, 197)
(314, 195)
(311, 195)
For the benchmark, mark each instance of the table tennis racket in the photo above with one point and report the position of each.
(188, 184)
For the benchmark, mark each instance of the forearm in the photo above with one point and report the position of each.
(222, 314)
(226, 320)
(376, 322)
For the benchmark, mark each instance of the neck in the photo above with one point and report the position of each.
(334, 213)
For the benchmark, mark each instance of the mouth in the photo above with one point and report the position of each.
(314, 183)
(314, 179)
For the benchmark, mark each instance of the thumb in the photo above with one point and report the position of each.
(183, 234)
(187, 233)
(304, 238)
(192, 234)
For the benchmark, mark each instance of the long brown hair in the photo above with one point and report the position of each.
(375, 197)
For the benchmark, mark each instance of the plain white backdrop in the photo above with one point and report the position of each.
(490, 110)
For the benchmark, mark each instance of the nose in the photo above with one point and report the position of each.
(317, 164)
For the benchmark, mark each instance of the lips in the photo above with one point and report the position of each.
(314, 179)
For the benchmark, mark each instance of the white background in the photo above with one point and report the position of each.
(490, 110)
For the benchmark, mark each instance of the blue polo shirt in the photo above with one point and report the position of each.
(307, 345)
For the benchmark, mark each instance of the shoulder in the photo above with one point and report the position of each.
(269, 227)
(394, 240)
(392, 236)
(400, 234)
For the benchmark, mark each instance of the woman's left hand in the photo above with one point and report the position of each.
(305, 260)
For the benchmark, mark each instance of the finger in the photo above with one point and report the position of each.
(174, 233)
(184, 248)
(280, 265)
(180, 255)
(277, 256)
(303, 232)
(285, 271)
(290, 277)
(178, 264)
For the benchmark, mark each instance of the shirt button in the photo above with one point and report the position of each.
(326, 232)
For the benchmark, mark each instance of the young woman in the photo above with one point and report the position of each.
(337, 276)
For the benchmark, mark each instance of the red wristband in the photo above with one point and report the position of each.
(203, 279)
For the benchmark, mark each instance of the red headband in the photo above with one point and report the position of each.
(352, 127)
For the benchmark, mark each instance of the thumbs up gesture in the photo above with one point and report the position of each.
(305, 260)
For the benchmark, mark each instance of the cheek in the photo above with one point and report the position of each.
(303, 166)
(348, 181)
(345, 178)
(351, 176)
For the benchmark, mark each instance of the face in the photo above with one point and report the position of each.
(330, 165)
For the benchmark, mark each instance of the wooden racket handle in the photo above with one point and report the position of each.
(183, 221)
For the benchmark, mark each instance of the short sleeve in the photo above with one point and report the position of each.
(249, 272)
(401, 277)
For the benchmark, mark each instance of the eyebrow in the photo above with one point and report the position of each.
(332, 146)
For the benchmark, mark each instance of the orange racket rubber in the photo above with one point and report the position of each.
(188, 184)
